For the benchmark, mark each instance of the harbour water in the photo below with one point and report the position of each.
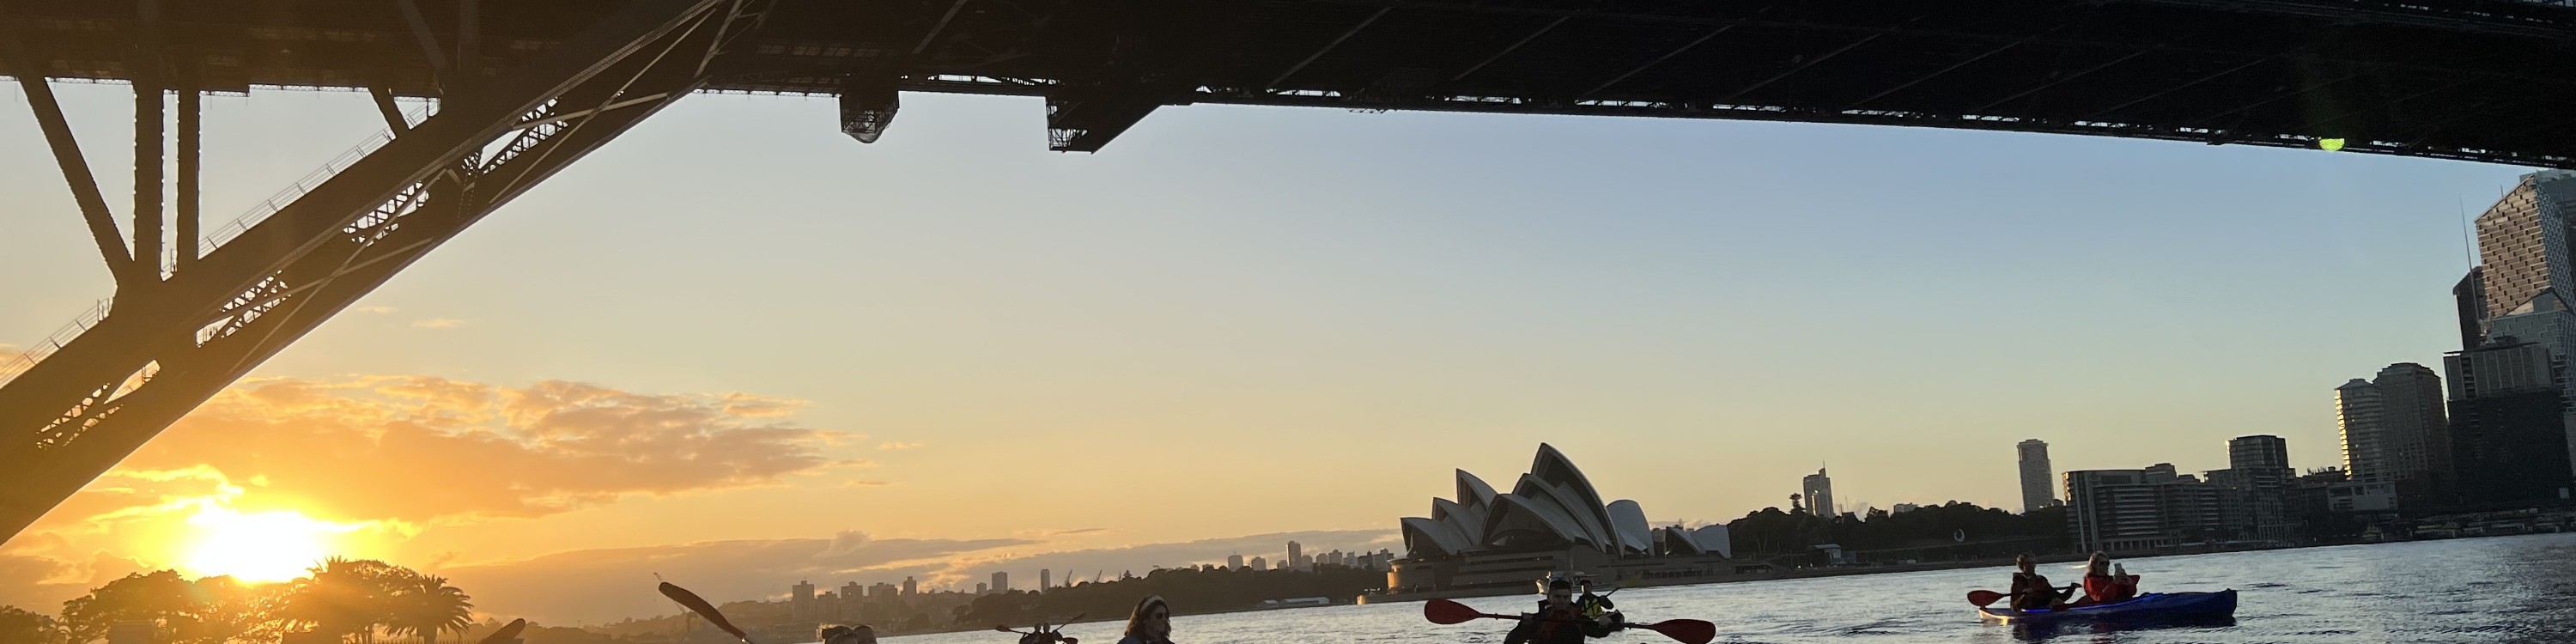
(2502, 589)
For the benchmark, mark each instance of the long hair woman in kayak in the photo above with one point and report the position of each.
(2031, 591)
(2103, 586)
(1151, 623)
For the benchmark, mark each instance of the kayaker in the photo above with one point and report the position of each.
(1559, 619)
(1151, 623)
(840, 634)
(2103, 585)
(1591, 605)
(2031, 591)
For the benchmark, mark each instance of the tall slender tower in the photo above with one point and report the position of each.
(2037, 490)
(2357, 411)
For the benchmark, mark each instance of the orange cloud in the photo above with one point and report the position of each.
(901, 446)
(421, 449)
(437, 323)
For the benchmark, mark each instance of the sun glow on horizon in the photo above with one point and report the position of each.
(270, 546)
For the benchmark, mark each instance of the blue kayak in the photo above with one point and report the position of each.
(2147, 607)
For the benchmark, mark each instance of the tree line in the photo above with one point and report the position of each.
(342, 600)
(1769, 531)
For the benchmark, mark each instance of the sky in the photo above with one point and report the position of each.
(741, 350)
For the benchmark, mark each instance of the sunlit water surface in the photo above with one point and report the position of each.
(2503, 589)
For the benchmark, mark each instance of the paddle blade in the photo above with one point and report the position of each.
(507, 633)
(1983, 597)
(1442, 611)
(703, 609)
(1687, 631)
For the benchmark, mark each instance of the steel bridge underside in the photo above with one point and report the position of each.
(523, 89)
(2478, 80)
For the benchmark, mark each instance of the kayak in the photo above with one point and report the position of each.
(2147, 607)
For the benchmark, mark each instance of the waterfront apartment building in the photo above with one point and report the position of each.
(2141, 510)
(2525, 285)
(2415, 431)
(1001, 582)
(801, 600)
(2037, 479)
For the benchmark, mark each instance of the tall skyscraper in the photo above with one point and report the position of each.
(1001, 582)
(1820, 494)
(1046, 579)
(1296, 556)
(2415, 431)
(1234, 561)
(2526, 281)
(2357, 411)
(2037, 479)
(2507, 441)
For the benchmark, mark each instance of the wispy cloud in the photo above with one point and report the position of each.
(437, 323)
(901, 446)
(375, 310)
(846, 485)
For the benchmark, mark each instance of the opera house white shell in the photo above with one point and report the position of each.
(1551, 507)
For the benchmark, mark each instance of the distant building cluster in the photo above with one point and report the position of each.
(2493, 432)
(804, 603)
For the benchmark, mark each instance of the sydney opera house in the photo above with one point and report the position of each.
(1552, 520)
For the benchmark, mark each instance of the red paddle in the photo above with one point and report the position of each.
(1983, 597)
(1688, 631)
(704, 609)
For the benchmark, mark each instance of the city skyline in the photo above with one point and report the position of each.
(964, 330)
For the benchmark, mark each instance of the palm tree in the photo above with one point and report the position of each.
(423, 605)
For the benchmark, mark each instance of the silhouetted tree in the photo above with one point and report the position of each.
(18, 626)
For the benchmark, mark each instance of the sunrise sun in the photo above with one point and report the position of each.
(269, 546)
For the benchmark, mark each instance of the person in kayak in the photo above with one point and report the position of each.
(1151, 623)
(1559, 619)
(2103, 585)
(2031, 591)
(1591, 605)
(839, 634)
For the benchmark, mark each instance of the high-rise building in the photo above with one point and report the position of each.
(981, 588)
(1820, 494)
(2037, 488)
(801, 604)
(2507, 439)
(911, 587)
(1233, 562)
(2526, 281)
(2415, 431)
(1001, 582)
(1296, 556)
(2357, 412)
(2264, 458)
(1260, 563)
(1046, 579)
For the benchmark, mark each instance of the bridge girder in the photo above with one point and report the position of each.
(167, 345)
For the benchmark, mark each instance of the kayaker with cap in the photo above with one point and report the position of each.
(2031, 591)
(2103, 584)
(1559, 619)
(1151, 623)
